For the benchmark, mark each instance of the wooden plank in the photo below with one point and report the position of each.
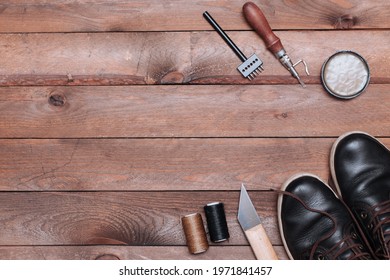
(153, 15)
(174, 57)
(119, 218)
(189, 111)
(107, 252)
(159, 164)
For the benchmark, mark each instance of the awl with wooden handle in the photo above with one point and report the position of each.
(254, 230)
(259, 23)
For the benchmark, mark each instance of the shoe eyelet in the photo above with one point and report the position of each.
(363, 215)
(370, 226)
(354, 235)
(320, 257)
(361, 247)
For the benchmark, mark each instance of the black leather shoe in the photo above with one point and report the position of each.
(315, 224)
(360, 167)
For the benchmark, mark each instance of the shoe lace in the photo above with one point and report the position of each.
(345, 244)
(350, 245)
(380, 223)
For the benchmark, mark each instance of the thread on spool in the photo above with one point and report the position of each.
(216, 222)
(195, 233)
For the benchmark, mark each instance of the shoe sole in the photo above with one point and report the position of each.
(333, 151)
(280, 201)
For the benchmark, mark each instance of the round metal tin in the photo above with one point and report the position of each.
(345, 74)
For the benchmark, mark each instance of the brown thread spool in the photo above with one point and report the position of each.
(195, 233)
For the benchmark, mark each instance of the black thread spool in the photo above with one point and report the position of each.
(216, 222)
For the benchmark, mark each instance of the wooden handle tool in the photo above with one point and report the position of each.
(254, 230)
(260, 243)
(256, 19)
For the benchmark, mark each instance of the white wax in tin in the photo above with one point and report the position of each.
(345, 74)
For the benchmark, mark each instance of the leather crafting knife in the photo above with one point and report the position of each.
(254, 231)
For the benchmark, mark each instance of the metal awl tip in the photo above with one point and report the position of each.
(301, 82)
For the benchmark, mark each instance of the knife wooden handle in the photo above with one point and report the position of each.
(260, 243)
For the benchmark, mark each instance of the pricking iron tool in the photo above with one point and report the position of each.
(259, 23)
(251, 66)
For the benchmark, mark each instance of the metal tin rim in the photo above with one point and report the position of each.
(345, 96)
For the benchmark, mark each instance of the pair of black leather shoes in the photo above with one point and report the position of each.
(317, 223)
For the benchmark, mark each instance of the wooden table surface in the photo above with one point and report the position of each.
(119, 117)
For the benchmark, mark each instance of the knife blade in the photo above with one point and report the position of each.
(254, 231)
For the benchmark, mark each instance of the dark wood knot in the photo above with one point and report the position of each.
(174, 77)
(107, 257)
(57, 99)
(345, 22)
(282, 116)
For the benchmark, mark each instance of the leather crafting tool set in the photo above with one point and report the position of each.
(344, 75)
(253, 66)
(196, 236)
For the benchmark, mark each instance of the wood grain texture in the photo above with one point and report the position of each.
(152, 15)
(175, 57)
(109, 252)
(119, 117)
(119, 218)
(159, 164)
(260, 243)
(189, 111)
